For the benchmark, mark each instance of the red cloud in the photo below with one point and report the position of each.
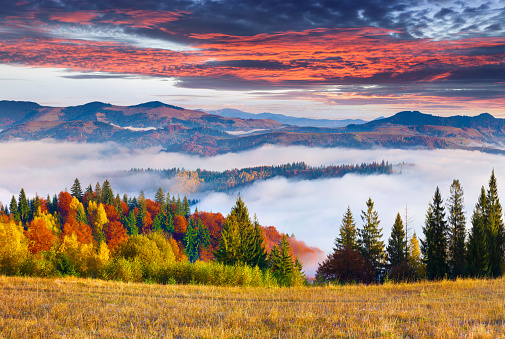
(75, 17)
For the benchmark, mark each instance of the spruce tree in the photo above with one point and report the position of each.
(190, 241)
(23, 207)
(371, 245)
(76, 190)
(14, 209)
(347, 232)
(281, 263)
(494, 228)
(132, 224)
(98, 193)
(457, 233)
(185, 208)
(107, 194)
(476, 248)
(397, 243)
(159, 197)
(434, 247)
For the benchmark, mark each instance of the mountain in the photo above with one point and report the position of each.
(285, 119)
(179, 130)
(153, 114)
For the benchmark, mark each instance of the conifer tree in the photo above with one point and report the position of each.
(495, 229)
(190, 241)
(414, 257)
(477, 264)
(185, 207)
(397, 243)
(434, 247)
(457, 233)
(98, 193)
(281, 263)
(23, 207)
(157, 222)
(132, 224)
(76, 190)
(107, 194)
(159, 197)
(14, 209)
(371, 245)
(347, 232)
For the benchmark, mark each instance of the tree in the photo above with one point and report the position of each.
(495, 228)
(191, 242)
(160, 198)
(115, 234)
(14, 209)
(76, 189)
(371, 247)
(40, 238)
(397, 243)
(185, 207)
(282, 264)
(107, 194)
(347, 231)
(131, 223)
(434, 247)
(23, 207)
(477, 263)
(345, 265)
(457, 233)
(414, 257)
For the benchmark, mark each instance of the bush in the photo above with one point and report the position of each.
(345, 265)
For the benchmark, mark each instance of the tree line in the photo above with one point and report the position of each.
(446, 251)
(95, 233)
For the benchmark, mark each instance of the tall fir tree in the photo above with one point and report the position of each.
(159, 197)
(23, 207)
(434, 247)
(107, 194)
(347, 232)
(477, 264)
(190, 241)
(370, 243)
(131, 224)
(397, 243)
(495, 229)
(76, 190)
(281, 263)
(185, 207)
(13, 206)
(98, 193)
(457, 232)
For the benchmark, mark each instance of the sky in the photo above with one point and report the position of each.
(318, 59)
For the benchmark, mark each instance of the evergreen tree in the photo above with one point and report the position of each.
(190, 241)
(203, 235)
(23, 207)
(159, 197)
(14, 209)
(158, 222)
(371, 247)
(76, 190)
(282, 265)
(185, 208)
(434, 247)
(457, 232)
(494, 228)
(397, 243)
(347, 232)
(107, 194)
(132, 224)
(476, 252)
(168, 223)
(98, 193)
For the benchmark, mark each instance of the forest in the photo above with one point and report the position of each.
(189, 181)
(95, 233)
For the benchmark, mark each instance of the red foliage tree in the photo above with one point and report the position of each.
(153, 208)
(40, 238)
(111, 212)
(64, 200)
(82, 230)
(345, 265)
(214, 222)
(115, 235)
(180, 227)
(147, 224)
(44, 207)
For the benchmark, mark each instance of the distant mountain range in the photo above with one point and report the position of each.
(191, 131)
(285, 119)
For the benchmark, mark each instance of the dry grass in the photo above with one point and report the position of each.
(82, 308)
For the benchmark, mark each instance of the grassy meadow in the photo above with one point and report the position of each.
(86, 308)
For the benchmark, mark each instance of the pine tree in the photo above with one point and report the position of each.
(397, 243)
(495, 229)
(476, 249)
(434, 247)
(281, 263)
(98, 193)
(185, 207)
(14, 209)
(132, 224)
(371, 247)
(347, 232)
(160, 198)
(158, 222)
(76, 189)
(457, 232)
(107, 194)
(190, 241)
(23, 207)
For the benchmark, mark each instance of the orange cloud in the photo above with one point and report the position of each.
(81, 17)
(143, 18)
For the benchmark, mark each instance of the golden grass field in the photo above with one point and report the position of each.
(85, 308)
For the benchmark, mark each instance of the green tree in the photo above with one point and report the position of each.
(476, 249)
(98, 193)
(23, 207)
(494, 228)
(397, 243)
(191, 242)
(457, 233)
(347, 232)
(434, 247)
(185, 207)
(13, 207)
(281, 263)
(107, 194)
(76, 190)
(159, 197)
(371, 245)
(131, 224)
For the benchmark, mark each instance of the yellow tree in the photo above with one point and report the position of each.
(13, 246)
(414, 257)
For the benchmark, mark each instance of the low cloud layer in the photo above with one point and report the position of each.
(312, 210)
